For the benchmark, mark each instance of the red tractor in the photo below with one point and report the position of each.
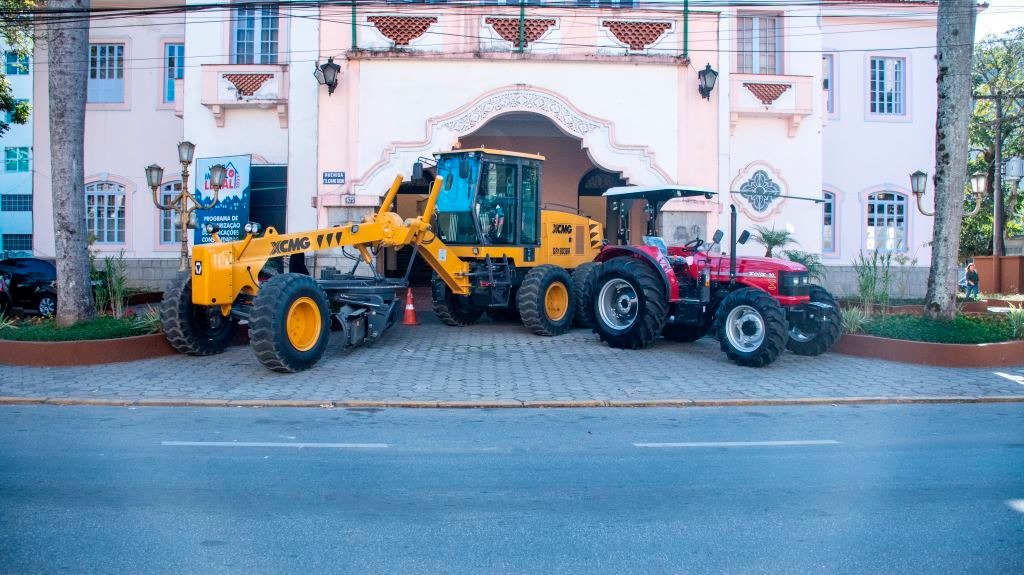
(756, 306)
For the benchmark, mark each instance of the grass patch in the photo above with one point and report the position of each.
(105, 327)
(963, 329)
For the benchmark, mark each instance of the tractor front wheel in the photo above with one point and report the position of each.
(629, 304)
(546, 300)
(290, 323)
(819, 341)
(751, 327)
(583, 280)
(193, 329)
(453, 309)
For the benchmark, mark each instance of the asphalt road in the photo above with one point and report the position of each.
(870, 489)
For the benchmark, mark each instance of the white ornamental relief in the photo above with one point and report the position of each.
(519, 100)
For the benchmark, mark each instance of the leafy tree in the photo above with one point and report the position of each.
(998, 69)
(15, 31)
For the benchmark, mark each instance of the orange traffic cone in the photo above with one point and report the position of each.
(410, 310)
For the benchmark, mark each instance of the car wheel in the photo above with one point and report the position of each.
(46, 305)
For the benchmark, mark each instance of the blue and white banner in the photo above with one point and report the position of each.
(232, 211)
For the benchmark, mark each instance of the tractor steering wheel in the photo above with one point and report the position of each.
(694, 244)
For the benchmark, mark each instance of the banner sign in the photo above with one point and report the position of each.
(232, 210)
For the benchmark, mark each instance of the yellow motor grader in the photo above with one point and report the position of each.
(483, 232)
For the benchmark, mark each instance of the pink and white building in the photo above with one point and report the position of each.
(834, 102)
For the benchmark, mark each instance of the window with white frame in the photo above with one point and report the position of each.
(15, 65)
(16, 159)
(105, 212)
(169, 233)
(106, 73)
(256, 34)
(828, 223)
(828, 81)
(174, 68)
(888, 86)
(759, 44)
(886, 222)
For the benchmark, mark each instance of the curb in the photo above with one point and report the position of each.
(329, 404)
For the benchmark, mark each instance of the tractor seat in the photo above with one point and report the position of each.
(659, 242)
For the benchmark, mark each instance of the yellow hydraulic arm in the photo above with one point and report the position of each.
(223, 270)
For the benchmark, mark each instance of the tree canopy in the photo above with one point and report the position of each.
(15, 30)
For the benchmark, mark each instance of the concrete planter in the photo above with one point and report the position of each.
(89, 352)
(1008, 353)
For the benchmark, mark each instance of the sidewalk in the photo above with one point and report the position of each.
(501, 364)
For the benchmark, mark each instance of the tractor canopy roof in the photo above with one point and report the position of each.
(657, 193)
(493, 152)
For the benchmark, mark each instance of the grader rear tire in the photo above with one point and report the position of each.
(193, 329)
(583, 280)
(290, 323)
(546, 300)
(455, 310)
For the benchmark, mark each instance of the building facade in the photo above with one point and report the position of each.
(818, 115)
(16, 175)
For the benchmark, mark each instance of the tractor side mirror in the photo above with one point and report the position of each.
(717, 238)
(417, 171)
(743, 237)
(463, 170)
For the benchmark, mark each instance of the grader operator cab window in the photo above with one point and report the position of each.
(455, 222)
(496, 202)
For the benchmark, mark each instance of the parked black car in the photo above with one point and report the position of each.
(30, 284)
(5, 297)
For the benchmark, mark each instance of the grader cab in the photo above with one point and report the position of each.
(483, 232)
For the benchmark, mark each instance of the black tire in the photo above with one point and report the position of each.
(818, 343)
(546, 300)
(453, 309)
(629, 304)
(751, 327)
(583, 280)
(684, 333)
(294, 298)
(46, 305)
(193, 329)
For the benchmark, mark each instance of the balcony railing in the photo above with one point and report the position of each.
(760, 95)
(262, 86)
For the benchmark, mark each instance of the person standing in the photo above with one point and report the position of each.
(972, 282)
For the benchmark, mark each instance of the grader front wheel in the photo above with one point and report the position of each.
(193, 329)
(290, 323)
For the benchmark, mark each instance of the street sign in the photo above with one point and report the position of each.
(334, 178)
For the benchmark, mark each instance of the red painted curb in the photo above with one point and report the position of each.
(89, 352)
(1002, 354)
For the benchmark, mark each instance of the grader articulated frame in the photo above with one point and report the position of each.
(290, 315)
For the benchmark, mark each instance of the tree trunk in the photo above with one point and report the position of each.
(955, 54)
(68, 49)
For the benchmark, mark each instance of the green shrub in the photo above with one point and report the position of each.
(1015, 317)
(105, 327)
(962, 329)
(853, 320)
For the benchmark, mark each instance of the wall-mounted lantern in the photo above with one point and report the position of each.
(706, 79)
(327, 75)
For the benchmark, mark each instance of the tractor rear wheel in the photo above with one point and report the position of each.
(583, 280)
(290, 323)
(684, 333)
(751, 327)
(818, 342)
(546, 300)
(193, 329)
(453, 309)
(629, 304)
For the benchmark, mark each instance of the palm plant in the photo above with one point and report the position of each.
(772, 238)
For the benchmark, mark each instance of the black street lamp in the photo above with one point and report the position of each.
(706, 79)
(327, 75)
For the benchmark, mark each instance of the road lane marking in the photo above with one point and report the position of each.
(1016, 504)
(742, 443)
(1014, 378)
(272, 444)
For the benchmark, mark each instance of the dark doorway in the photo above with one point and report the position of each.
(592, 185)
(268, 196)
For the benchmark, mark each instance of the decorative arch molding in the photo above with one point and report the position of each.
(758, 190)
(636, 163)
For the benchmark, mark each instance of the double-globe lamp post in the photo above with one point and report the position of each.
(184, 204)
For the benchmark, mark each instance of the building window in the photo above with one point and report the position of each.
(887, 222)
(759, 44)
(828, 223)
(16, 65)
(828, 81)
(169, 233)
(256, 34)
(888, 81)
(17, 242)
(174, 68)
(597, 3)
(16, 159)
(106, 73)
(104, 212)
(16, 203)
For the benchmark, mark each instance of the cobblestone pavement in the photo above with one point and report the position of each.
(503, 362)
